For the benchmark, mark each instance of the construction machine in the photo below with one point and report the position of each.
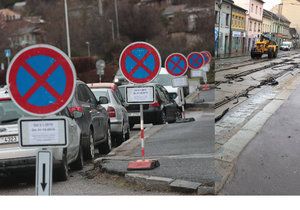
(265, 45)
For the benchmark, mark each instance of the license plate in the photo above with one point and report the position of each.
(8, 139)
(134, 114)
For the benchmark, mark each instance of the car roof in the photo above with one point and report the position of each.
(112, 86)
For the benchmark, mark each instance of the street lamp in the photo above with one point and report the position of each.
(67, 28)
(112, 29)
(117, 19)
(89, 50)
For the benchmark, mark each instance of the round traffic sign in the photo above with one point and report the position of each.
(176, 64)
(41, 80)
(140, 62)
(207, 56)
(195, 60)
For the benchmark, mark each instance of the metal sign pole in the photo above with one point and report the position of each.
(182, 105)
(142, 132)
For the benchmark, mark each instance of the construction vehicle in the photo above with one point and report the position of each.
(265, 45)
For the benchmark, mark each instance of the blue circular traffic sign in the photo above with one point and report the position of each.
(140, 62)
(176, 64)
(41, 80)
(195, 60)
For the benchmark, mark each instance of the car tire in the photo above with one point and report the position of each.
(62, 171)
(270, 53)
(78, 163)
(121, 137)
(89, 147)
(131, 125)
(162, 118)
(127, 135)
(178, 114)
(105, 148)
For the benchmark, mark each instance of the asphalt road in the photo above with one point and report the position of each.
(270, 163)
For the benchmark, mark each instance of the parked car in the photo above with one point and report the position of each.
(119, 78)
(165, 109)
(286, 46)
(176, 93)
(93, 121)
(13, 158)
(111, 98)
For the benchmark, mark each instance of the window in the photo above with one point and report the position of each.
(252, 7)
(254, 27)
(258, 27)
(260, 11)
(227, 19)
(256, 9)
(250, 26)
(217, 17)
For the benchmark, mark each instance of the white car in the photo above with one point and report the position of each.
(165, 79)
(110, 97)
(13, 158)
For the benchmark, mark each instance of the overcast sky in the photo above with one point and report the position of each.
(270, 3)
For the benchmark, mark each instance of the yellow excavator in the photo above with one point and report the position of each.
(265, 45)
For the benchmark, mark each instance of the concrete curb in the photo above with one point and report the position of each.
(163, 183)
(232, 149)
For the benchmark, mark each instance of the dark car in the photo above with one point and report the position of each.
(165, 109)
(92, 119)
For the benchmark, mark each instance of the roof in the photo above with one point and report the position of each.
(240, 8)
(8, 12)
(170, 10)
(22, 26)
(269, 14)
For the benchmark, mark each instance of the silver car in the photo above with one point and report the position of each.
(109, 95)
(13, 158)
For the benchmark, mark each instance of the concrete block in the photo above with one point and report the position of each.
(204, 190)
(185, 186)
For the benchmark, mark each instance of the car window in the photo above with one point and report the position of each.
(101, 92)
(86, 95)
(161, 94)
(116, 98)
(10, 113)
(166, 93)
(119, 95)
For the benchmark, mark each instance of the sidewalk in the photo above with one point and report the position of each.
(270, 163)
(185, 152)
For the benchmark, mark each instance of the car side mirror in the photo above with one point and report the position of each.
(103, 100)
(77, 114)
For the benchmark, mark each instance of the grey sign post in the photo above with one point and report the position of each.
(100, 66)
(44, 173)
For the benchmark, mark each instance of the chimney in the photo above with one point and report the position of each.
(280, 8)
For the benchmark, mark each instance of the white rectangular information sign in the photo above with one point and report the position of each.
(44, 166)
(47, 132)
(140, 94)
(196, 73)
(180, 82)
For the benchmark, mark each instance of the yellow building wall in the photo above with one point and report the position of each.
(238, 21)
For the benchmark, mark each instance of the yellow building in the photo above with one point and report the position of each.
(238, 30)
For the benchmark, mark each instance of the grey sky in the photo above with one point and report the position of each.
(269, 4)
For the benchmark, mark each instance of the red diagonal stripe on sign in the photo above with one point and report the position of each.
(140, 63)
(41, 81)
(176, 65)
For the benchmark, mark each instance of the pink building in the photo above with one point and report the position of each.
(253, 20)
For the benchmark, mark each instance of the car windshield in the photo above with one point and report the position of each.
(10, 113)
(285, 44)
(101, 92)
(163, 79)
(122, 90)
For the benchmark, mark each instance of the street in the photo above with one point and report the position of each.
(254, 156)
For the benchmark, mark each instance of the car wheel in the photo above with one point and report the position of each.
(121, 137)
(178, 114)
(89, 147)
(162, 118)
(127, 135)
(106, 147)
(62, 172)
(78, 163)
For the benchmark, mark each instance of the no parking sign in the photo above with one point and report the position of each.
(140, 62)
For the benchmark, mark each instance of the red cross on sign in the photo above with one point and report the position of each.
(41, 80)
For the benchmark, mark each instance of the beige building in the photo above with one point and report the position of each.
(289, 9)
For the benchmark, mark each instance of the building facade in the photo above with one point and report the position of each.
(238, 30)
(223, 10)
(254, 19)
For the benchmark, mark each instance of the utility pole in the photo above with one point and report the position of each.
(117, 19)
(67, 28)
(219, 27)
(112, 29)
(89, 49)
